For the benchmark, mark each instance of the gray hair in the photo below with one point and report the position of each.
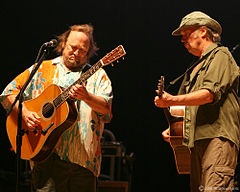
(213, 35)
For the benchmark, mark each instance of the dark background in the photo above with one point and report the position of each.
(144, 29)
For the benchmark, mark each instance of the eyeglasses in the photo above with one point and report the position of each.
(74, 48)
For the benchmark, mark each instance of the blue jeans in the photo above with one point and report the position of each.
(56, 175)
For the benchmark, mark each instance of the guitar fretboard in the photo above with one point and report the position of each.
(65, 94)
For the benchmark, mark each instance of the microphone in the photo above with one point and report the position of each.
(235, 48)
(52, 43)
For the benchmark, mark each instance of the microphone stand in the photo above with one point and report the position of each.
(19, 98)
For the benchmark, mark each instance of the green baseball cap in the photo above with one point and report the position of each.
(198, 18)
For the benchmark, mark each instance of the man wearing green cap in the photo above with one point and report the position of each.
(212, 113)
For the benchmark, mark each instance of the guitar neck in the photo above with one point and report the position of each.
(84, 77)
(170, 118)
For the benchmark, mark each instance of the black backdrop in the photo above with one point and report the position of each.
(144, 28)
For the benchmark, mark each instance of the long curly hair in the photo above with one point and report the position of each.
(85, 28)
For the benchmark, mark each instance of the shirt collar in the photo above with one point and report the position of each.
(209, 48)
(56, 60)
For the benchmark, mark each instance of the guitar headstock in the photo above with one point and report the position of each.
(161, 86)
(114, 55)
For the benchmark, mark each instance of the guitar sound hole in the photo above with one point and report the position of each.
(48, 110)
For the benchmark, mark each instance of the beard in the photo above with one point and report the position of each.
(72, 62)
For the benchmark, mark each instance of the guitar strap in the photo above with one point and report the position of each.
(191, 67)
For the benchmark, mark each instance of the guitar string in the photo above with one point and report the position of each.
(65, 95)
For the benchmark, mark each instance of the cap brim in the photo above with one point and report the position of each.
(211, 23)
(177, 32)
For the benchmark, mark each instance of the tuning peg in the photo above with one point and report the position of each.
(117, 61)
(112, 64)
(123, 58)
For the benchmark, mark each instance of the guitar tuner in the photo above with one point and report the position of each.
(112, 64)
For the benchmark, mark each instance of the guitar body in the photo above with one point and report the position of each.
(38, 147)
(181, 153)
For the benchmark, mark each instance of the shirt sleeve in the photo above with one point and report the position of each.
(14, 87)
(220, 74)
(103, 88)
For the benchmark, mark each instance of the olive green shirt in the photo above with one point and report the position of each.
(218, 73)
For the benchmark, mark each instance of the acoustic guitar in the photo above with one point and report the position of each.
(57, 111)
(175, 117)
